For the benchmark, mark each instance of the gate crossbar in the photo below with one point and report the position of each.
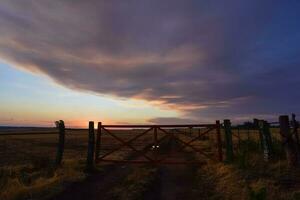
(166, 134)
(198, 137)
(186, 144)
(126, 144)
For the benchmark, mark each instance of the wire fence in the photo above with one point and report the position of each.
(260, 140)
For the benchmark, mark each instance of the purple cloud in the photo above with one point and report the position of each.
(216, 58)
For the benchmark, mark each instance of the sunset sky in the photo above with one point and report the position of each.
(151, 61)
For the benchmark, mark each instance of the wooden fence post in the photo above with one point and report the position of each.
(61, 142)
(295, 126)
(219, 140)
(228, 140)
(266, 139)
(91, 147)
(98, 140)
(288, 143)
(248, 133)
(239, 138)
(256, 126)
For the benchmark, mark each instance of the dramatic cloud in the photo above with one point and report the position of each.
(206, 58)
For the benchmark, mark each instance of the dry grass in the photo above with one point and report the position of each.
(26, 165)
(19, 150)
(221, 182)
(27, 168)
(249, 176)
(36, 182)
(26, 172)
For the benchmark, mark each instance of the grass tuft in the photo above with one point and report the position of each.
(37, 181)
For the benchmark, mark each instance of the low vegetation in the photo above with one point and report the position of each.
(27, 165)
(29, 173)
(38, 180)
(250, 177)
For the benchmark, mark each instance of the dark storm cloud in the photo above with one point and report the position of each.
(212, 58)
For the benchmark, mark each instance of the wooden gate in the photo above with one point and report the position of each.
(144, 142)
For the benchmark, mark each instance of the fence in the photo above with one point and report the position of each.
(42, 146)
(274, 140)
(144, 141)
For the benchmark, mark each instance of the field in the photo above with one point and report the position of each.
(27, 170)
(26, 167)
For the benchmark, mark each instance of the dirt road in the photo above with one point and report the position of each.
(175, 181)
(96, 186)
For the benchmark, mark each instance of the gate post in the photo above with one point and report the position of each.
(266, 139)
(91, 147)
(219, 140)
(98, 140)
(228, 140)
(288, 142)
(61, 142)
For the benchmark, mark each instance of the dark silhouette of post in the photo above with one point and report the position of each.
(288, 143)
(98, 140)
(219, 140)
(255, 123)
(295, 126)
(228, 140)
(239, 137)
(91, 147)
(256, 126)
(264, 130)
(61, 142)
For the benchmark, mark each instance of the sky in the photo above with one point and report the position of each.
(151, 61)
